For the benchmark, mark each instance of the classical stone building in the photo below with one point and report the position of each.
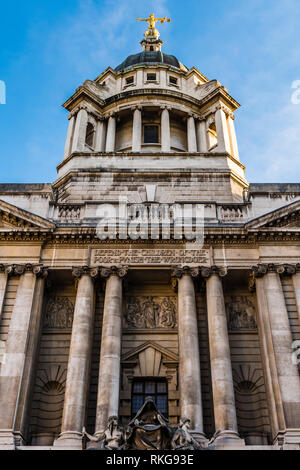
(101, 308)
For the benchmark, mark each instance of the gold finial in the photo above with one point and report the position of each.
(152, 32)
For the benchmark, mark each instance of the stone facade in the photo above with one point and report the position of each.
(88, 310)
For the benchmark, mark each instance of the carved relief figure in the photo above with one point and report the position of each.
(59, 313)
(241, 314)
(182, 439)
(151, 312)
(111, 439)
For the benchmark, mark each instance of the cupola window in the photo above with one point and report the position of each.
(90, 133)
(212, 135)
(173, 80)
(130, 80)
(151, 134)
(151, 77)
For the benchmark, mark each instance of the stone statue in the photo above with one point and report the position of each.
(111, 439)
(182, 439)
(148, 430)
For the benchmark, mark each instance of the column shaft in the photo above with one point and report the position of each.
(68, 146)
(111, 135)
(165, 131)
(12, 370)
(137, 131)
(100, 136)
(191, 134)
(202, 137)
(222, 132)
(189, 366)
(221, 372)
(288, 375)
(234, 144)
(79, 364)
(3, 284)
(110, 354)
(80, 131)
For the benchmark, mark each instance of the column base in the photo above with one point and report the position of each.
(200, 437)
(226, 438)
(288, 437)
(69, 439)
(7, 440)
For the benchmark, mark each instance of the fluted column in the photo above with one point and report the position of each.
(80, 131)
(296, 283)
(165, 130)
(100, 136)
(13, 378)
(191, 134)
(222, 131)
(220, 360)
(202, 137)
(110, 353)
(111, 134)
(137, 130)
(189, 365)
(3, 283)
(281, 343)
(79, 360)
(68, 145)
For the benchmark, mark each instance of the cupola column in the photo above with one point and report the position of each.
(68, 146)
(165, 130)
(111, 134)
(100, 136)
(234, 144)
(137, 129)
(222, 131)
(191, 134)
(189, 365)
(110, 353)
(202, 138)
(220, 360)
(80, 131)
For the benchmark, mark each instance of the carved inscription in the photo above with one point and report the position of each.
(151, 312)
(241, 314)
(59, 313)
(133, 257)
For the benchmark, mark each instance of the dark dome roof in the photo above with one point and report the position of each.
(152, 58)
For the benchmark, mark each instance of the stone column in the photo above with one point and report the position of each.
(191, 134)
(80, 131)
(234, 144)
(202, 136)
(137, 130)
(100, 136)
(111, 134)
(189, 365)
(220, 360)
(3, 283)
(165, 130)
(13, 369)
(68, 145)
(296, 283)
(222, 131)
(281, 337)
(110, 353)
(79, 360)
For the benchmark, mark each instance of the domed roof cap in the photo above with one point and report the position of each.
(151, 57)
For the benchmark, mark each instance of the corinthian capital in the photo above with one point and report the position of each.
(80, 271)
(213, 270)
(119, 271)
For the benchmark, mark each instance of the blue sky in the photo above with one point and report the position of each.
(48, 48)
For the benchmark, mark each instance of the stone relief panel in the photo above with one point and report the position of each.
(59, 313)
(151, 312)
(241, 313)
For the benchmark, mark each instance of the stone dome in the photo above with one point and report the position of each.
(151, 57)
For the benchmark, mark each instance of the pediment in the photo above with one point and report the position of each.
(134, 354)
(14, 218)
(284, 218)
